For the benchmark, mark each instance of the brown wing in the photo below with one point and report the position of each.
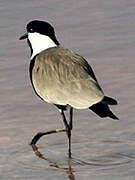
(63, 77)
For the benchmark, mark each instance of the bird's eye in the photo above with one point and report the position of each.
(31, 30)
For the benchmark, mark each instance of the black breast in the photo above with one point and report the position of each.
(32, 63)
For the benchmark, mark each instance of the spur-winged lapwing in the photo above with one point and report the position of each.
(62, 78)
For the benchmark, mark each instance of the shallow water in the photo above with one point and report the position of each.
(102, 32)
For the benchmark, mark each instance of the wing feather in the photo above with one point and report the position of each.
(63, 77)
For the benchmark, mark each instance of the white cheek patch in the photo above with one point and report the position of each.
(40, 42)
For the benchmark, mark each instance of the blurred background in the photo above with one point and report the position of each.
(103, 32)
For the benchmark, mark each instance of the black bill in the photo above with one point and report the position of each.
(24, 36)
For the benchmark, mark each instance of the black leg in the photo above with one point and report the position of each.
(71, 127)
(68, 128)
(40, 134)
(71, 118)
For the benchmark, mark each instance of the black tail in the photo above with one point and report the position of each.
(102, 108)
(109, 101)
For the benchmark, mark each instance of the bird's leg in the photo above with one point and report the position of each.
(68, 130)
(70, 126)
(40, 134)
(71, 118)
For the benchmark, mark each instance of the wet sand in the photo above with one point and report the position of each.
(102, 32)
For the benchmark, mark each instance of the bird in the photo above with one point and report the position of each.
(62, 78)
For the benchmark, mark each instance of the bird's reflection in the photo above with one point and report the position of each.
(69, 170)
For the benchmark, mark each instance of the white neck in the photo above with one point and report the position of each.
(39, 43)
